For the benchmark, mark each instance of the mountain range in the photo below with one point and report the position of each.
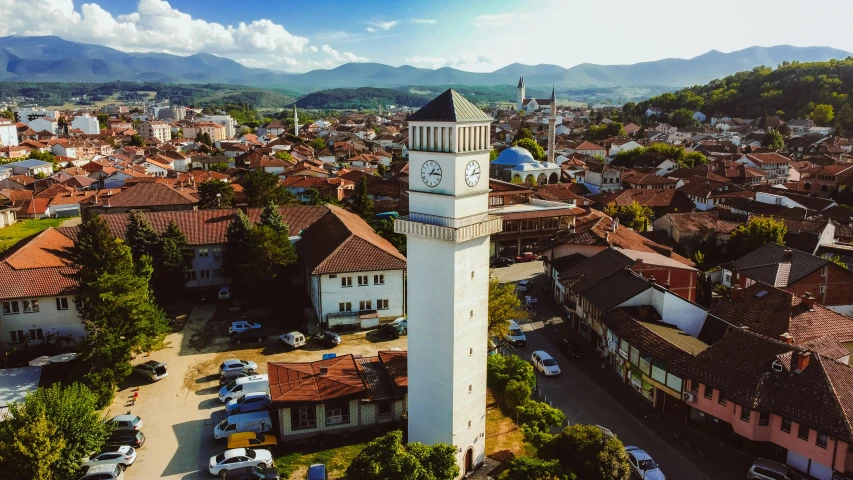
(52, 59)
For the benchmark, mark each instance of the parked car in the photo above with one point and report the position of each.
(152, 370)
(225, 293)
(123, 455)
(239, 458)
(498, 262)
(126, 422)
(763, 469)
(545, 363)
(104, 472)
(293, 339)
(237, 388)
(241, 326)
(251, 473)
(250, 440)
(232, 375)
(237, 364)
(570, 349)
(131, 438)
(253, 335)
(514, 335)
(404, 322)
(328, 338)
(317, 471)
(258, 422)
(643, 465)
(250, 402)
(389, 332)
(523, 286)
(527, 257)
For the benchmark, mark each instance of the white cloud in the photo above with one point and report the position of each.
(312, 48)
(371, 29)
(494, 20)
(466, 61)
(342, 57)
(383, 25)
(423, 20)
(154, 26)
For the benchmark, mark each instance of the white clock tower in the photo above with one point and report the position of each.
(448, 232)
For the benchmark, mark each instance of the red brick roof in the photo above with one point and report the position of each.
(149, 195)
(306, 382)
(38, 268)
(396, 364)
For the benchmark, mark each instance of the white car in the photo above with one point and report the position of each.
(241, 326)
(233, 364)
(124, 455)
(523, 286)
(238, 458)
(545, 363)
(225, 293)
(643, 465)
(404, 322)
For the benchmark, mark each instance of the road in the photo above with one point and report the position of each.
(588, 394)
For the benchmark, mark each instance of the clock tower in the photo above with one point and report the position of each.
(448, 231)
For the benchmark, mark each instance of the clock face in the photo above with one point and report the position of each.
(431, 173)
(472, 173)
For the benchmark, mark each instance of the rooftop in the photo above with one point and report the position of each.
(450, 106)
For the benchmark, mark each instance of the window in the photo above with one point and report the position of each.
(721, 399)
(362, 280)
(365, 305)
(204, 273)
(382, 304)
(345, 306)
(786, 425)
(31, 306)
(694, 386)
(379, 279)
(17, 336)
(303, 416)
(191, 275)
(822, 289)
(217, 252)
(384, 408)
(78, 303)
(36, 334)
(745, 412)
(470, 388)
(763, 419)
(337, 412)
(11, 308)
(346, 281)
(709, 392)
(803, 432)
(821, 440)
(203, 253)
(823, 271)
(62, 303)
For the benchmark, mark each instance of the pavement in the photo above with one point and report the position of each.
(588, 394)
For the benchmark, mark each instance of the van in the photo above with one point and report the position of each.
(111, 471)
(293, 339)
(239, 386)
(763, 469)
(514, 335)
(257, 422)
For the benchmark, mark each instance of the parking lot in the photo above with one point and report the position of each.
(180, 411)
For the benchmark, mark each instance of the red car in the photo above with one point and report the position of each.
(527, 257)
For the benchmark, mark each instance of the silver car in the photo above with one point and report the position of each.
(122, 455)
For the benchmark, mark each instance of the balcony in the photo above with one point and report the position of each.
(487, 226)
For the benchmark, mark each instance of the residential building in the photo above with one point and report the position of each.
(707, 193)
(87, 123)
(160, 130)
(600, 177)
(30, 167)
(146, 196)
(8, 133)
(776, 167)
(689, 229)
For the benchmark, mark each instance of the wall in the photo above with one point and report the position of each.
(48, 318)
(332, 294)
(210, 263)
(837, 284)
(682, 282)
(672, 309)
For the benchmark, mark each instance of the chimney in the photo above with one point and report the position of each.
(735, 292)
(801, 361)
(324, 370)
(652, 279)
(786, 338)
(666, 285)
(788, 252)
(615, 224)
(808, 300)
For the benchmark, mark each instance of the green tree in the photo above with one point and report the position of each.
(7, 114)
(384, 227)
(836, 259)
(215, 194)
(757, 232)
(362, 204)
(845, 117)
(682, 117)
(271, 217)
(773, 140)
(137, 141)
(141, 237)
(531, 146)
(823, 114)
(635, 216)
(515, 394)
(283, 155)
(172, 261)
(523, 132)
(539, 416)
(493, 155)
(587, 452)
(387, 458)
(504, 306)
(317, 144)
(527, 468)
(263, 187)
(204, 138)
(236, 238)
(47, 434)
(502, 369)
(220, 167)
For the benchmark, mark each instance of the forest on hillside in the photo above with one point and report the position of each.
(818, 90)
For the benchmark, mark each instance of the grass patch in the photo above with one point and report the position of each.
(336, 451)
(25, 228)
(504, 440)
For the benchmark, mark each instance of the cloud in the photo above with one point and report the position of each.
(383, 25)
(371, 29)
(466, 61)
(312, 48)
(423, 20)
(154, 26)
(342, 57)
(494, 20)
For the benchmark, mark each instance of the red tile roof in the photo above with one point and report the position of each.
(396, 364)
(315, 381)
(38, 268)
(149, 195)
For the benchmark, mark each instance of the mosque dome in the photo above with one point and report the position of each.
(513, 156)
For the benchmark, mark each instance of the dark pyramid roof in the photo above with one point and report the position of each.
(450, 106)
(553, 94)
(520, 81)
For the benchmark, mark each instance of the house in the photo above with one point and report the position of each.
(826, 180)
(689, 229)
(587, 148)
(661, 202)
(353, 276)
(707, 193)
(159, 130)
(301, 187)
(799, 125)
(647, 181)
(600, 177)
(31, 167)
(336, 395)
(8, 133)
(87, 124)
(622, 145)
(776, 167)
(146, 196)
(794, 271)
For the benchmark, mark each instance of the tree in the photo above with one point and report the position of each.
(46, 435)
(836, 259)
(773, 140)
(515, 394)
(500, 370)
(539, 416)
(526, 468)
(7, 114)
(283, 155)
(384, 227)
(523, 132)
(362, 204)
(236, 239)
(493, 155)
(682, 118)
(172, 262)
(823, 114)
(386, 458)
(141, 237)
(220, 167)
(585, 451)
(531, 146)
(215, 194)
(137, 141)
(757, 232)
(504, 306)
(635, 216)
(845, 117)
(263, 187)
(204, 138)
(317, 144)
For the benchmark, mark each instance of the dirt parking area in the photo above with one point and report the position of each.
(180, 411)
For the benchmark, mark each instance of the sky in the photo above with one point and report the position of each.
(473, 35)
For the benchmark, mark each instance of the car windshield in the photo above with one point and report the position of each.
(549, 362)
(231, 385)
(647, 464)
(160, 370)
(220, 457)
(515, 332)
(223, 424)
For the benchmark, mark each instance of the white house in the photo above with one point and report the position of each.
(45, 124)
(8, 133)
(31, 167)
(87, 123)
(623, 146)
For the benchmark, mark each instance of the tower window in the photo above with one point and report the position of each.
(470, 388)
(472, 273)
(469, 423)
(470, 351)
(471, 314)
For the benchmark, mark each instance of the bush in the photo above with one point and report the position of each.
(525, 468)
(539, 416)
(515, 394)
(501, 369)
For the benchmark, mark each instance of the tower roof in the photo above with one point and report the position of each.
(521, 81)
(553, 94)
(450, 106)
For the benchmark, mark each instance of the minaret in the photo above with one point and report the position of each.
(552, 127)
(295, 122)
(520, 92)
(448, 230)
